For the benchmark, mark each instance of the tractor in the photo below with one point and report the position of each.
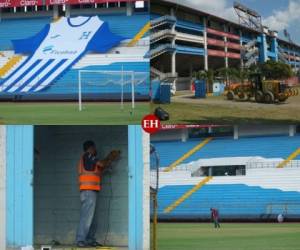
(263, 91)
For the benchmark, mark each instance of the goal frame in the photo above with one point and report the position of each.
(122, 72)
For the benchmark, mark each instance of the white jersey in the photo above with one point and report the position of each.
(55, 49)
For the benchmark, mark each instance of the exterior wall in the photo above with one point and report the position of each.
(222, 47)
(257, 130)
(56, 197)
(2, 186)
(167, 135)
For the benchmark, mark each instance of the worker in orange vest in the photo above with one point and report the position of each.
(90, 169)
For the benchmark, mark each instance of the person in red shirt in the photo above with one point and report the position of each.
(215, 217)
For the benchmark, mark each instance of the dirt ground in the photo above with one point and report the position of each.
(185, 109)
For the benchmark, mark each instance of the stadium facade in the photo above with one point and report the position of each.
(40, 58)
(247, 173)
(184, 40)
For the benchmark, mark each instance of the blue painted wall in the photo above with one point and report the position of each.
(136, 168)
(19, 212)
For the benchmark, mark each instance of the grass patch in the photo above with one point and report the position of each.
(67, 113)
(217, 110)
(231, 236)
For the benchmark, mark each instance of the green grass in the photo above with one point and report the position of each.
(67, 113)
(237, 236)
(217, 110)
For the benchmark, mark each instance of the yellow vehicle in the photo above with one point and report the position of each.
(263, 91)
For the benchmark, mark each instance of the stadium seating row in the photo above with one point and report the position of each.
(262, 193)
(126, 26)
(268, 147)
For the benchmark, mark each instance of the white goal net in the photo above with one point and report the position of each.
(117, 85)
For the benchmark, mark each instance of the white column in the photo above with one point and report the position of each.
(235, 132)
(172, 13)
(226, 50)
(173, 66)
(2, 187)
(241, 44)
(146, 196)
(68, 11)
(129, 9)
(55, 12)
(205, 45)
(173, 61)
(184, 134)
(292, 130)
(295, 61)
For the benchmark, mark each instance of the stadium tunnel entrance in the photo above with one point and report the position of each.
(42, 186)
(56, 194)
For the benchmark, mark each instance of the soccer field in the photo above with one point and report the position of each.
(231, 236)
(67, 113)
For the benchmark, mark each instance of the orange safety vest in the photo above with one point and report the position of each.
(88, 180)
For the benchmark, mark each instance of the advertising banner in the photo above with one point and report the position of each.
(22, 3)
(72, 2)
(19, 3)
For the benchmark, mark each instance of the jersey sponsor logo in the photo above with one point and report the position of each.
(50, 50)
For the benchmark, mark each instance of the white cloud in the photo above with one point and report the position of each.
(215, 7)
(282, 19)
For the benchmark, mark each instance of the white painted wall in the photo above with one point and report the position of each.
(56, 189)
(285, 179)
(167, 135)
(265, 130)
(2, 186)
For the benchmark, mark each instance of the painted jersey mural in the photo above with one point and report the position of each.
(56, 48)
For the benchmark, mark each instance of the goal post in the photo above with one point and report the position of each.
(118, 83)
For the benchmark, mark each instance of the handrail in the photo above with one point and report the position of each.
(162, 19)
(161, 48)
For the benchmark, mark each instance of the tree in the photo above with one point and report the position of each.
(228, 74)
(243, 75)
(273, 70)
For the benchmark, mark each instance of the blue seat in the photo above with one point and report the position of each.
(232, 200)
(268, 147)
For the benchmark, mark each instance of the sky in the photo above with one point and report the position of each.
(276, 14)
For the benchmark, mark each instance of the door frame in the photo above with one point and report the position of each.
(20, 193)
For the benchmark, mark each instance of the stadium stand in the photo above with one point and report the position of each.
(104, 87)
(261, 193)
(268, 147)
